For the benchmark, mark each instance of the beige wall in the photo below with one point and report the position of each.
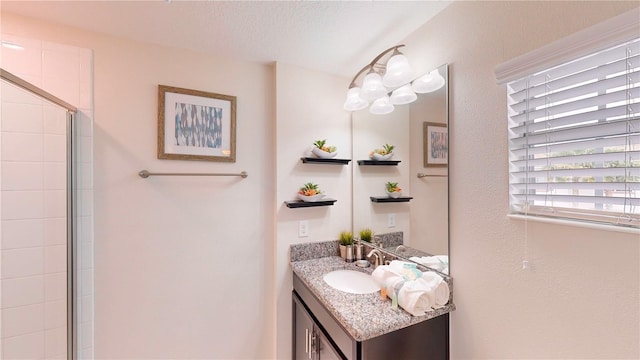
(581, 299)
(309, 107)
(182, 265)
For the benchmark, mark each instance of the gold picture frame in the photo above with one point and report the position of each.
(196, 125)
(435, 138)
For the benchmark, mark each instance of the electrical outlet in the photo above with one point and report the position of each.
(391, 220)
(303, 228)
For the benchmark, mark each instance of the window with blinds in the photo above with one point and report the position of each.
(574, 139)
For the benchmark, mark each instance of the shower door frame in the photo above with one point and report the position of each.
(72, 333)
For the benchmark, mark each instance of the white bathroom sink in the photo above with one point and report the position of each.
(350, 281)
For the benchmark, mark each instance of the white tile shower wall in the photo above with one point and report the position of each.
(28, 318)
(32, 178)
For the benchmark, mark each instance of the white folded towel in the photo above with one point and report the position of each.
(382, 273)
(397, 264)
(386, 277)
(408, 270)
(438, 262)
(416, 297)
(428, 290)
(438, 286)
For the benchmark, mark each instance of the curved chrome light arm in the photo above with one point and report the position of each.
(374, 62)
(353, 82)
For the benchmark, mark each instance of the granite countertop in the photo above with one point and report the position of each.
(364, 316)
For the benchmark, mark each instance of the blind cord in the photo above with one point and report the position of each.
(627, 160)
(547, 103)
(525, 260)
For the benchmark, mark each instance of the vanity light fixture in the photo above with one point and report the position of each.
(381, 106)
(403, 95)
(389, 81)
(428, 83)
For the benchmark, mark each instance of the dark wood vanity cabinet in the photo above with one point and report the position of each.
(310, 341)
(318, 335)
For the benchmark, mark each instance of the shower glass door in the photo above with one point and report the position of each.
(35, 227)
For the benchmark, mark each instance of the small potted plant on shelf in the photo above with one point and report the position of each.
(366, 234)
(385, 153)
(345, 240)
(393, 190)
(310, 192)
(322, 150)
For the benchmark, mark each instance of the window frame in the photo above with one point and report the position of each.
(612, 32)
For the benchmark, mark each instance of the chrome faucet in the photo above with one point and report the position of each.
(401, 247)
(378, 256)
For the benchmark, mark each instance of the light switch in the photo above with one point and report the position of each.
(391, 220)
(303, 228)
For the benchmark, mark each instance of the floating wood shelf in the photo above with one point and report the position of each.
(313, 160)
(386, 199)
(300, 204)
(379, 162)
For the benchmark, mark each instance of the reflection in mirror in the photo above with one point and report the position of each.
(418, 133)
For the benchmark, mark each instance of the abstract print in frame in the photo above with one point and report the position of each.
(436, 144)
(196, 125)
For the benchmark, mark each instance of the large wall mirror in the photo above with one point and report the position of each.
(419, 134)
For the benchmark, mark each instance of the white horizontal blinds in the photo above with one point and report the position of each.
(574, 138)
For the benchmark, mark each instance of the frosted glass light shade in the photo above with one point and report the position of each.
(399, 72)
(428, 83)
(372, 87)
(381, 106)
(354, 102)
(403, 95)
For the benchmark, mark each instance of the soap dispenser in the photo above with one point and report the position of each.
(359, 254)
(350, 253)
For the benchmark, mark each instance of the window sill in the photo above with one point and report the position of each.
(582, 224)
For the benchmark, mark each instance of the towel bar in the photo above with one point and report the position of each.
(146, 173)
(421, 175)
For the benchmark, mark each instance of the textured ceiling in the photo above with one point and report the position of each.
(337, 37)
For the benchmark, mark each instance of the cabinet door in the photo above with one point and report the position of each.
(324, 348)
(303, 333)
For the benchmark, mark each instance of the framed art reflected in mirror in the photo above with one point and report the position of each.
(435, 144)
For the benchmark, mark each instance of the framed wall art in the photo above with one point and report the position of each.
(435, 144)
(196, 125)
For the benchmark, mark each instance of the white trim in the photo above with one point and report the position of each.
(616, 30)
(581, 224)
